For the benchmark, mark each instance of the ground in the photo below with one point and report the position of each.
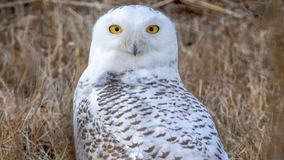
(234, 65)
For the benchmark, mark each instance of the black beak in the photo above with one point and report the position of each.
(134, 49)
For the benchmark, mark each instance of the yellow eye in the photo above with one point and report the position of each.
(152, 29)
(115, 29)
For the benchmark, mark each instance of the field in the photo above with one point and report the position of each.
(231, 58)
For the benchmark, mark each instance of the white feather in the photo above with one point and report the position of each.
(136, 107)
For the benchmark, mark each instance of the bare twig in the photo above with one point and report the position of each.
(95, 4)
(213, 7)
(12, 4)
(162, 3)
(4, 149)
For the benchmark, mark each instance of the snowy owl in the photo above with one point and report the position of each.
(130, 102)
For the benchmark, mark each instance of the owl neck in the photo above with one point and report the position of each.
(119, 61)
(98, 77)
(97, 74)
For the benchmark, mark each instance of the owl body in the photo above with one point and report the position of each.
(135, 106)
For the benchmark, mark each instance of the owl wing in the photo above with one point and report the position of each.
(148, 117)
(92, 139)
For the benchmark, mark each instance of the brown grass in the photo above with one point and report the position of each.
(234, 65)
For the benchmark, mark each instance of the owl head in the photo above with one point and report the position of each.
(133, 37)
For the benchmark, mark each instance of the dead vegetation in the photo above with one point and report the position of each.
(234, 64)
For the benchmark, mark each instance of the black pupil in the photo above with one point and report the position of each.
(116, 29)
(151, 29)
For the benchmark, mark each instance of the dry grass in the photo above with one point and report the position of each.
(235, 66)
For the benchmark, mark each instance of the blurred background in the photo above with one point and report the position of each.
(231, 57)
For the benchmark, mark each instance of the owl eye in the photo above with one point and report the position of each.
(115, 29)
(152, 29)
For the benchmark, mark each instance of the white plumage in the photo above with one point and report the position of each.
(130, 102)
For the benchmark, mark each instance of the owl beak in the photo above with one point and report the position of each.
(135, 49)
